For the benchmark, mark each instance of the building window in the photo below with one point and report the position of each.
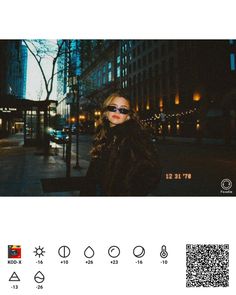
(144, 61)
(138, 50)
(104, 69)
(171, 64)
(109, 71)
(109, 76)
(163, 49)
(118, 59)
(163, 67)
(150, 73)
(125, 71)
(118, 72)
(144, 45)
(150, 57)
(99, 78)
(139, 63)
(232, 62)
(156, 53)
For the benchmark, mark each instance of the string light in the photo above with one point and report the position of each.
(157, 116)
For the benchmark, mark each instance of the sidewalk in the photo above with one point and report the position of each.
(22, 169)
(214, 141)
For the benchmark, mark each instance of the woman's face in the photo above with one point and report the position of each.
(115, 116)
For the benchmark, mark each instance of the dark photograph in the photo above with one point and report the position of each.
(149, 118)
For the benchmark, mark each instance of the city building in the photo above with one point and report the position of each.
(191, 82)
(13, 60)
(68, 69)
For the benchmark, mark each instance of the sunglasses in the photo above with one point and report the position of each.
(113, 109)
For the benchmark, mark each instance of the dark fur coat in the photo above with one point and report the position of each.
(128, 165)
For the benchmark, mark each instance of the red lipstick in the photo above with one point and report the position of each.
(115, 117)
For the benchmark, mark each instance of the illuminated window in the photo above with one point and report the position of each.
(177, 101)
(196, 96)
(109, 77)
(99, 78)
(118, 72)
(118, 59)
(109, 65)
(232, 62)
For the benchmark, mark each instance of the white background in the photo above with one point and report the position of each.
(104, 222)
(125, 222)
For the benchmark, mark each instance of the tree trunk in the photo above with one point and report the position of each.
(46, 134)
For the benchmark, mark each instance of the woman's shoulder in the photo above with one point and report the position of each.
(137, 136)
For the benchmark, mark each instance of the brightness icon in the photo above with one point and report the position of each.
(39, 251)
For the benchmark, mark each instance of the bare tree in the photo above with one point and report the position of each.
(46, 51)
(46, 54)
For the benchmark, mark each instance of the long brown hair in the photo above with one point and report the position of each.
(103, 124)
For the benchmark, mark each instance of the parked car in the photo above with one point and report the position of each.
(51, 132)
(60, 136)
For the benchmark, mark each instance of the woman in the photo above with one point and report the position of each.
(124, 159)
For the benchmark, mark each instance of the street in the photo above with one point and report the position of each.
(188, 169)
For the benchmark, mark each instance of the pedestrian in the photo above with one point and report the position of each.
(124, 158)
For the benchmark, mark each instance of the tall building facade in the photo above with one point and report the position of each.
(13, 71)
(68, 68)
(191, 81)
(13, 56)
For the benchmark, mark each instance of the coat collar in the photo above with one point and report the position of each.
(123, 129)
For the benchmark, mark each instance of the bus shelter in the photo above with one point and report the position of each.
(28, 116)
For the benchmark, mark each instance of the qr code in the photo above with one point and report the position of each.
(207, 265)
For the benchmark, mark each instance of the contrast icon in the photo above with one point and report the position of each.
(14, 251)
(163, 253)
(139, 251)
(39, 277)
(114, 251)
(14, 278)
(89, 252)
(64, 251)
(39, 251)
